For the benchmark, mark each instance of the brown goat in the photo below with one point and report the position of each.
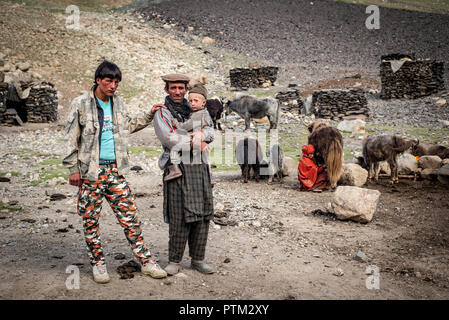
(384, 148)
(430, 150)
(328, 144)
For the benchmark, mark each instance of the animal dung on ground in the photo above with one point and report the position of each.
(127, 269)
(404, 77)
(337, 104)
(243, 78)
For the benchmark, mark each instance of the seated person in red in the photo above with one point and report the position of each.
(310, 175)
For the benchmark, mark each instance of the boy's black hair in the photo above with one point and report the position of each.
(108, 69)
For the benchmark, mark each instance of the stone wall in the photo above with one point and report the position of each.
(340, 104)
(404, 77)
(290, 100)
(40, 103)
(243, 78)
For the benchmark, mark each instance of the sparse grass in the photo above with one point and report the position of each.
(59, 6)
(13, 173)
(149, 152)
(434, 6)
(45, 175)
(9, 207)
(430, 135)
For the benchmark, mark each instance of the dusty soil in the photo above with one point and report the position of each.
(268, 243)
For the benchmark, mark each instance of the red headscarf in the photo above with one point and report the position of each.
(307, 168)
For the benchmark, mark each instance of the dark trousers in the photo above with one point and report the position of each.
(180, 232)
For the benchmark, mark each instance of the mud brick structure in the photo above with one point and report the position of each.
(404, 77)
(290, 100)
(40, 103)
(243, 78)
(340, 104)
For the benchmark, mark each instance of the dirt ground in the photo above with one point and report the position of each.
(274, 241)
(291, 253)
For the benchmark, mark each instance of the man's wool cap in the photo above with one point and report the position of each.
(175, 77)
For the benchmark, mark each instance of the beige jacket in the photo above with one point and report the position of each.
(82, 135)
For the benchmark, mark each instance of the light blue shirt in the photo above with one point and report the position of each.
(107, 151)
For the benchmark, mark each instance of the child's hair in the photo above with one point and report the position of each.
(108, 69)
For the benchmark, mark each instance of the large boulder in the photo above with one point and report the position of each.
(290, 166)
(354, 203)
(429, 162)
(407, 164)
(429, 174)
(443, 174)
(356, 126)
(353, 175)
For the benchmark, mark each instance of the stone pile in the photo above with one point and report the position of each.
(290, 100)
(337, 104)
(404, 77)
(42, 103)
(38, 101)
(244, 78)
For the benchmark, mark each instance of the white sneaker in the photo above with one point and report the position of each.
(154, 270)
(100, 274)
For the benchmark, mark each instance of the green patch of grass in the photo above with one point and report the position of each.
(9, 207)
(45, 175)
(13, 173)
(149, 152)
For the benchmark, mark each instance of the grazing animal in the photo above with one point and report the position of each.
(215, 108)
(385, 148)
(249, 156)
(249, 107)
(430, 150)
(328, 144)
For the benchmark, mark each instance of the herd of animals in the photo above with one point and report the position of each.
(327, 141)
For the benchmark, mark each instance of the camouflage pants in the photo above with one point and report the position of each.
(117, 192)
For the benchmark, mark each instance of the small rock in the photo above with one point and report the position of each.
(441, 103)
(136, 168)
(62, 230)
(166, 26)
(257, 223)
(57, 196)
(429, 174)
(120, 256)
(24, 66)
(167, 281)
(338, 272)
(360, 256)
(208, 40)
(190, 28)
(443, 174)
(227, 260)
(181, 275)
